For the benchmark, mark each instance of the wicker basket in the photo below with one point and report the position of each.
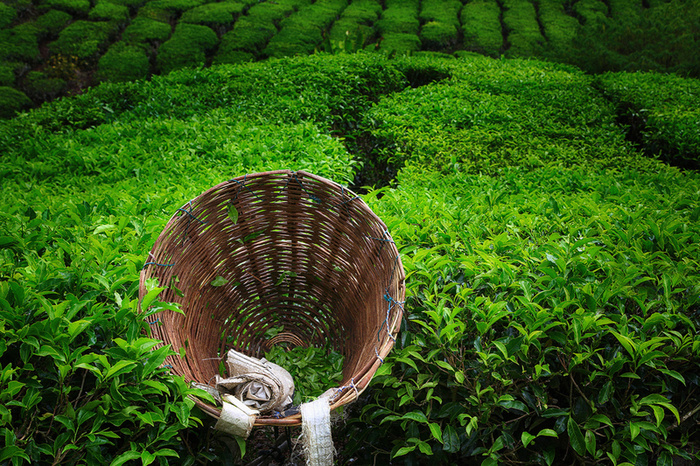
(299, 254)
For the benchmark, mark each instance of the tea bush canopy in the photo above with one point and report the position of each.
(596, 36)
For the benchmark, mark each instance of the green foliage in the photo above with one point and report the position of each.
(74, 7)
(83, 39)
(123, 62)
(19, 44)
(40, 86)
(187, 47)
(12, 101)
(660, 38)
(440, 23)
(662, 113)
(481, 27)
(7, 75)
(303, 32)
(314, 370)
(501, 114)
(7, 15)
(524, 36)
(52, 22)
(176, 6)
(146, 30)
(214, 14)
(105, 10)
(399, 43)
(399, 18)
(355, 27)
(542, 302)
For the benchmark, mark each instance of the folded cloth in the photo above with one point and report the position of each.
(259, 383)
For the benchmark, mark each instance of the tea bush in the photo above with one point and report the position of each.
(355, 27)
(399, 18)
(42, 87)
(123, 62)
(7, 15)
(481, 27)
(302, 32)
(85, 40)
(591, 11)
(12, 101)
(559, 27)
(146, 30)
(74, 7)
(542, 303)
(497, 114)
(662, 111)
(51, 23)
(19, 44)
(107, 11)
(214, 14)
(7, 75)
(187, 47)
(524, 37)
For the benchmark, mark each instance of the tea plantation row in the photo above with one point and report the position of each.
(50, 48)
(552, 267)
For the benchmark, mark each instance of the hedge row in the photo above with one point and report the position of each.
(251, 33)
(355, 27)
(398, 27)
(559, 27)
(524, 36)
(440, 24)
(481, 26)
(302, 33)
(662, 111)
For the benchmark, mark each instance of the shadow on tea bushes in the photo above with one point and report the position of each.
(544, 304)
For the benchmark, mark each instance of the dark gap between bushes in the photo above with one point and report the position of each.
(635, 123)
(378, 168)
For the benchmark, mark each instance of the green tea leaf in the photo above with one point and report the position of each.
(575, 437)
(219, 281)
(233, 213)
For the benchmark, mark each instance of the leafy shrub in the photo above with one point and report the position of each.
(659, 38)
(133, 5)
(355, 28)
(436, 35)
(186, 48)
(74, 7)
(524, 35)
(661, 111)
(538, 309)
(559, 27)
(123, 62)
(83, 39)
(41, 87)
(12, 101)
(472, 124)
(7, 74)
(401, 18)
(52, 22)
(481, 27)
(213, 14)
(176, 6)
(155, 13)
(399, 44)
(445, 11)
(7, 15)
(19, 44)
(107, 11)
(591, 11)
(146, 30)
(247, 36)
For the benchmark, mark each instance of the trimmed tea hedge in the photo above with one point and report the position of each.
(663, 112)
(123, 62)
(187, 47)
(481, 26)
(524, 36)
(440, 23)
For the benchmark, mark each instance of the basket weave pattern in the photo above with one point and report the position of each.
(281, 250)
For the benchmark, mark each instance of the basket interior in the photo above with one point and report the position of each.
(277, 252)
